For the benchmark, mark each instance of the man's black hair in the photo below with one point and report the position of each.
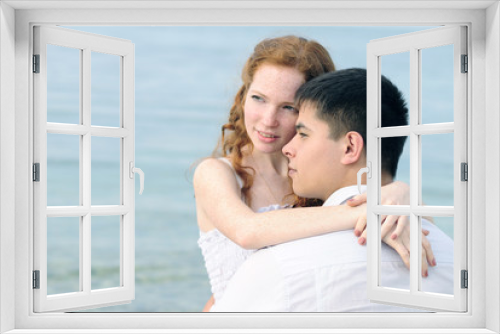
(340, 100)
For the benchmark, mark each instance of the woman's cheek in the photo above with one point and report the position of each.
(290, 128)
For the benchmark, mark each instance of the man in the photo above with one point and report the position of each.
(328, 273)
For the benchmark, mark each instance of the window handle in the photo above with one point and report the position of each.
(367, 170)
(134, 170)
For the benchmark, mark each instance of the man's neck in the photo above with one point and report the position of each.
(385, 180)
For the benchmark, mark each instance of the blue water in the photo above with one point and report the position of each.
(186, 78)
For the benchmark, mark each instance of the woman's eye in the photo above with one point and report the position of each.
(257, 98)
(302, 134)
(290, 108)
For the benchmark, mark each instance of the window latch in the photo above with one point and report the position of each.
(132, 171)
(368, 171)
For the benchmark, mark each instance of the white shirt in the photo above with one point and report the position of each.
(327, 273)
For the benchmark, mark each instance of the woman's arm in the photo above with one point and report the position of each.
(209, 304)
(218, 203)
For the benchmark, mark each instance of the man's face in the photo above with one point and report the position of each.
(314, 158)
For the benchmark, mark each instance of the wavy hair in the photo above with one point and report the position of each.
(307, 56)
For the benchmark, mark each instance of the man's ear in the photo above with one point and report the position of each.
(353, 148)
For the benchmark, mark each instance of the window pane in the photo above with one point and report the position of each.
(396, 67)
(437, 84)
(63, 255)
(63, 84)
(395, 161)
(445, 224)
(393, 272)
(105, 89)
(441, 239)
(106, 171)
(63, 169)
(437, 169)
(105, 252)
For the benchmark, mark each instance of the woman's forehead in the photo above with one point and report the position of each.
(281, 79)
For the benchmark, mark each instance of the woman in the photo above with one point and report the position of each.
(251, 177)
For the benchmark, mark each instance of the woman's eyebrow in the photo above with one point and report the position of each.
(258, 92)
(255, 91)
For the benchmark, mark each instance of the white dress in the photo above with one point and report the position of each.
(222, 256)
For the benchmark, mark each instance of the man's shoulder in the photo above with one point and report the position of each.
(319, 242)
(340, 248)
(324, 250)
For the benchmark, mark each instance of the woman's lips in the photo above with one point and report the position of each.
(266, 136)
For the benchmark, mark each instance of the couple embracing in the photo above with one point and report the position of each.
(282, 224)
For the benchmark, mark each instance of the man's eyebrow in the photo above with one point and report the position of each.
(300, 126)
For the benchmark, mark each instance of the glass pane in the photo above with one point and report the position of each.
(63, 255)
(437, 169)
(63, 84)
(63, 169)
(396, 68)
(105, 89)
(393, 272)
(395, 160)
(441, 239)
(445, 224)
(105, 252)
(437, 84)
(106, 171)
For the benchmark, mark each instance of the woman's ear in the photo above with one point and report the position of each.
(353, 149)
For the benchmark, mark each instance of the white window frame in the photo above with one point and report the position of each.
(17, 19)
(86, 44)
(413, 43)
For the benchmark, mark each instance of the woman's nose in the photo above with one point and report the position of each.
(270, 117)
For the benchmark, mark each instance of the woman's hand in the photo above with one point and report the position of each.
(395, 193)
(395, 230)
(401, 244)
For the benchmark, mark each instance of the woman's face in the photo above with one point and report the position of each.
(270, 114)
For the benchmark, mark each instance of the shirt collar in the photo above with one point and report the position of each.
(340, 196)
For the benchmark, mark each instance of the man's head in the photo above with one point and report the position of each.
(329, 147)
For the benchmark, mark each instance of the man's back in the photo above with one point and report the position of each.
(328, 274)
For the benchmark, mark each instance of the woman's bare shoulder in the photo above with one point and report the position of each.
(210, 165)
(211, 169)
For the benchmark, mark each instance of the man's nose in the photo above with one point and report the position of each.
(288, 150)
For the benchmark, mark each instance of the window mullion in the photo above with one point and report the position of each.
(372, 155)
(460, 155)
(85, 176)
(401, 210)
(127, 259)
(415, 170)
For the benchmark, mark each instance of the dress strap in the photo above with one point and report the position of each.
(238, 178)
